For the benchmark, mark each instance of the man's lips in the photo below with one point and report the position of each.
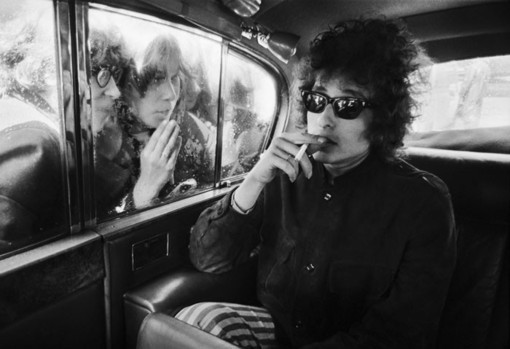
(328, 141)
(325, 141)
(163, 112)
(313, 148)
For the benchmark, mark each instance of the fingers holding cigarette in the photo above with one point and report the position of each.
(304, 161)
(289, 149)
(301, 151)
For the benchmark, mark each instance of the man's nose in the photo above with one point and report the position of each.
(327, 117)
(112, 90)
(168, 90)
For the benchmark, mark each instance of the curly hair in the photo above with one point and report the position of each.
(161, 50)
(379, 55)
(108, 48)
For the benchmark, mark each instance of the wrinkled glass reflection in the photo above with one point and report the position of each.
(249, 106)
(32, 198)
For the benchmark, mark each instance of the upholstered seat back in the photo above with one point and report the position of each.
(476, 311)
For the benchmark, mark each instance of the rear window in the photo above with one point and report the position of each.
(469, 100)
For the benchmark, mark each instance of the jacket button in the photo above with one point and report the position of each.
(310, 268)
(327, 196)
(298, 325)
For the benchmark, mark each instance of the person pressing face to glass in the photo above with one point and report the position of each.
(356, 246)
(113, 162)
(108, 57)
(159, 126)
(104, 93)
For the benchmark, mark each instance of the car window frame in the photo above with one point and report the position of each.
(119, 223)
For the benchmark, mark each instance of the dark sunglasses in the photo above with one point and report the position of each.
(344, 107)
(105, 73)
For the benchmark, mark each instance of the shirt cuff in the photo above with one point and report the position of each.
(236, 207)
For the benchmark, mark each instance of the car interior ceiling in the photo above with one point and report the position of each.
(456, 23)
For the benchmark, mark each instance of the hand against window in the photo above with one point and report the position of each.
(157, 162)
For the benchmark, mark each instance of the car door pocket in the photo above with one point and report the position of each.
(149, 251)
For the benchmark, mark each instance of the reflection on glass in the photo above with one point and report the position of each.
(160, 143)
(249, 107)
(113, 164)
(31, 183)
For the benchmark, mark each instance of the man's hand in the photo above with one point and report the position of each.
(280, 156)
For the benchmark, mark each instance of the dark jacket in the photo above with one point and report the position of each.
(364, 262)
(114, 170)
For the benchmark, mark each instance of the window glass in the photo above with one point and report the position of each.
(466, 94)
(32, 186)
(249, 106)
(154, 94)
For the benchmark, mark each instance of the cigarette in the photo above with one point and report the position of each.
(301, 151)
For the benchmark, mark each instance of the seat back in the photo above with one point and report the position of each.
(476, 310)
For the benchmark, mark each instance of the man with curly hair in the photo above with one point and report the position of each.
(113, 163)
(355, 247)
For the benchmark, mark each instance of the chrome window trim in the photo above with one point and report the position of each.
(111, 228)
(68, 144)
(220, 119)
(86, 146)
(37, 255)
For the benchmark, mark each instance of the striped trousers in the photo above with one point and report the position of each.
(242, 325)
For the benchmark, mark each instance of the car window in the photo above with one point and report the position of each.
(466, 94)
(466, 105)
(158, 73)
(249, 107)
(32, 181)
(148, 75)
(129, 60)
